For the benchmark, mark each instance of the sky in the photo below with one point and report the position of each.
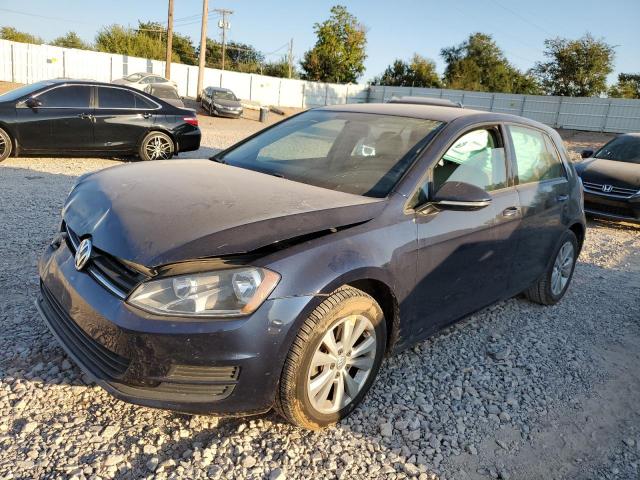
(396, 29)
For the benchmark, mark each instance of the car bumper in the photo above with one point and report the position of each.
(614, 207)
(224, 367)
(189, 141)
(221, 112)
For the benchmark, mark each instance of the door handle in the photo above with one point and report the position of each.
(87, 116)
(562, 198)
(146, 115)
(510, 211)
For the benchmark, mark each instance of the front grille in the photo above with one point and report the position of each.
(101, 361)
(619, 191)
(626, 212)
(107, 270)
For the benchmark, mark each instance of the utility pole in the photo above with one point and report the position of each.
(203, 47)
(290, 58)
(224, 25)
(167, 62)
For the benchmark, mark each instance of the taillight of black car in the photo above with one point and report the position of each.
(191, 121)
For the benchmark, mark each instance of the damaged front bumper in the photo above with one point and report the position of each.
(226, 367)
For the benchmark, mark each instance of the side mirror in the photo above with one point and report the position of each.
(33, 102)
(461, 196)
(586, 153)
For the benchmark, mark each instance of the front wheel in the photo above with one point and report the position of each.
(5, 145)
(333, 361)
(156, 146)
(553, 284)
(211, 110)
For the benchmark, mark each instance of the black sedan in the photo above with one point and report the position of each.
(91, 118)
(611, 179)
(221, 102)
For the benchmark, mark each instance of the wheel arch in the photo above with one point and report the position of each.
(579, 231)
(383, 294)
(157, 128)
(12, 137)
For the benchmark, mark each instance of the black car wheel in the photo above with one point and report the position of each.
(552, 286)
(333, 361)
(156, 146)
(5, 145)
(211, 110)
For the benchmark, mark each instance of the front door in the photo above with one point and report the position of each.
(63, 122)
(122, 118)
(464, 256)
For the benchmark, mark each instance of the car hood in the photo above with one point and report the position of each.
(618, 174)
(156, 213)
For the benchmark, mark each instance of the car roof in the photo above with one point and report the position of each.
(69, 81)
(433, 112)
(220, 89)
(443, 102)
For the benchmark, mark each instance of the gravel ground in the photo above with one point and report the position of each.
(515, 391)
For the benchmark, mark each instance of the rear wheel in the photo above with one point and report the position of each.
(553, 284)
(5, 145)
(156, 146)
(333, 361)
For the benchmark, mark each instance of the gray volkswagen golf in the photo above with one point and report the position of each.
(279, 273)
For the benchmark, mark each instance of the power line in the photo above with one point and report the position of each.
(45, 16)
(524, 19)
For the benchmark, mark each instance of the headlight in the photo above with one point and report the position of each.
(224, 293)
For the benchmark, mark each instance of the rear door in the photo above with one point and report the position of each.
(464, 257)
(122, 118)
(63, 122)
(543, 189)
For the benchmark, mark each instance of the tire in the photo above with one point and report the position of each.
(345, 309)
(6, 145)
(546, 291)
(156, 146)
(211, 114)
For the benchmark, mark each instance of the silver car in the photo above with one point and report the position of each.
(141, 80)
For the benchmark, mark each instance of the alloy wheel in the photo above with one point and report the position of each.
(158, 147)
(4, 145)
(341, 364)
(562, 268)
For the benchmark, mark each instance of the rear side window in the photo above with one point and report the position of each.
(536, 156)
(120, 98)
(72, 96)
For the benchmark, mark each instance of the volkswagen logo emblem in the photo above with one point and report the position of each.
(83, 254)
(607, 188)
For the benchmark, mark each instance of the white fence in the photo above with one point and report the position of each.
(26, 63)
(579, 113)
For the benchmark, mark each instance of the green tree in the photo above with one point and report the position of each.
(339, 53)
(280, 68)
(128, 41)
(239, 57)
(71, 40)
(10, 33)
(576, 68)
(419, 72)
(478, 64)
(181, 45)
(628, 86)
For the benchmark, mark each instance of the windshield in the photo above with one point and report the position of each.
(360, 153)
(23, 91)
(625, 148)
(134, 77)
(224, 95)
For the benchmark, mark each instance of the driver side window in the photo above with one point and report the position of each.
(477, 158)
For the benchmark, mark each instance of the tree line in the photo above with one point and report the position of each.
(572, 67)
